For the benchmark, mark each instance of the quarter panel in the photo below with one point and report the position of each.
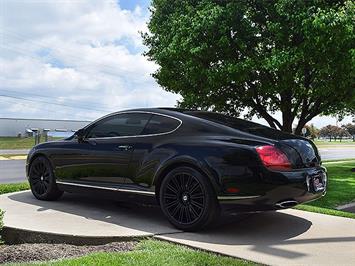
(223, 162)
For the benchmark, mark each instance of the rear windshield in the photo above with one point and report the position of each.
(240, 124)
(226, 120)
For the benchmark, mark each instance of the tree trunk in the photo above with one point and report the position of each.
(301, 124)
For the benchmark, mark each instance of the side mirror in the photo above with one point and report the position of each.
(80, 134)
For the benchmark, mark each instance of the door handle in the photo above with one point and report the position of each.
(124, 147)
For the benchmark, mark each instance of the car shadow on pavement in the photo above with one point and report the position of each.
(264, 232)
(268, 233)
(124, 214)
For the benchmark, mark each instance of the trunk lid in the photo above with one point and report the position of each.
(306, 150)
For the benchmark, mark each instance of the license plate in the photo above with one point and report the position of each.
(318, 183)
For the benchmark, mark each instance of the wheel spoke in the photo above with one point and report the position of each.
(196, 204)
(189, 181)
(194, 187)
(175, 211)
(173, 189)
(188, 214)
(172, 203)
(170, 196)
(181, 214)
(175, 184)
(40, 177)
(193, 212)
(184, 198)
(197, 196)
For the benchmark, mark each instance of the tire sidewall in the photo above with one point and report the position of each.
(52, 187)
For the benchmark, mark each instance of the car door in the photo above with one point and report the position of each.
(103, 157)
(148, 152)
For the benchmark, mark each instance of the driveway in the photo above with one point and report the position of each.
(288, 237)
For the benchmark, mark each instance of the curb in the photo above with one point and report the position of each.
(14, 157)
(13, 236)
(346, 206)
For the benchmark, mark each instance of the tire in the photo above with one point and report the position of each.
(188, 200)
(42, 180)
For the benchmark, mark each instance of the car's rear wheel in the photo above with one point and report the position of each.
(188, 199)
(42, 180)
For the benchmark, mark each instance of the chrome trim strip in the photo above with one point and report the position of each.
(237, 197)
(137, 191)
(135, 136)
(108, 188)
(84, 185)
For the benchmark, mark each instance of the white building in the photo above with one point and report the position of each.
(12, 127)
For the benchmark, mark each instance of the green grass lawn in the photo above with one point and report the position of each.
(16, 143)
(151, 252)
(20, 143)
(7, 188)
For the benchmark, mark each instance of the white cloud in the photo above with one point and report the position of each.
(81, 53)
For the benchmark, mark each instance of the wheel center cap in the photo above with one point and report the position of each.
(42, 178)
(185, 198)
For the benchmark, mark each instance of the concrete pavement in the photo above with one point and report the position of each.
(288, 237)
(350, 207)
(78, 220)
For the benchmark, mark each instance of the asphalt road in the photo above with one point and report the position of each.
(337, 153)
(22, 151)
(12, 171)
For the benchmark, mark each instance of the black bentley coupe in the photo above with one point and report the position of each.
(193, 163)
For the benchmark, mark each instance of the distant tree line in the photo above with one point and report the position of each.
(331, 132)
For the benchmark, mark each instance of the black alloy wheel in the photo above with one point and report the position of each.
(42, 181)
(188, 200)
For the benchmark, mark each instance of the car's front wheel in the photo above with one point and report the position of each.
(188, 200)
(42, 180)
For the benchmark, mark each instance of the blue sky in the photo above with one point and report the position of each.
(132, 4)
(77, 60)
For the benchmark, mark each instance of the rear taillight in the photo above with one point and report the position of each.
(273, 158)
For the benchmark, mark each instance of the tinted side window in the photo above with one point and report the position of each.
(119, 125)
(160, 124)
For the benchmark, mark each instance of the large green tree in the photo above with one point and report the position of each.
(292, 56)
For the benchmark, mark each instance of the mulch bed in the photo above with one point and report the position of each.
(43, 252)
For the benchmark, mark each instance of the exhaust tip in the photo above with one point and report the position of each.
(286, 204)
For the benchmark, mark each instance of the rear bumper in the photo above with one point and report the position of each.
(277, 190)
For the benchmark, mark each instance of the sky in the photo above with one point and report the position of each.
(78, 60)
